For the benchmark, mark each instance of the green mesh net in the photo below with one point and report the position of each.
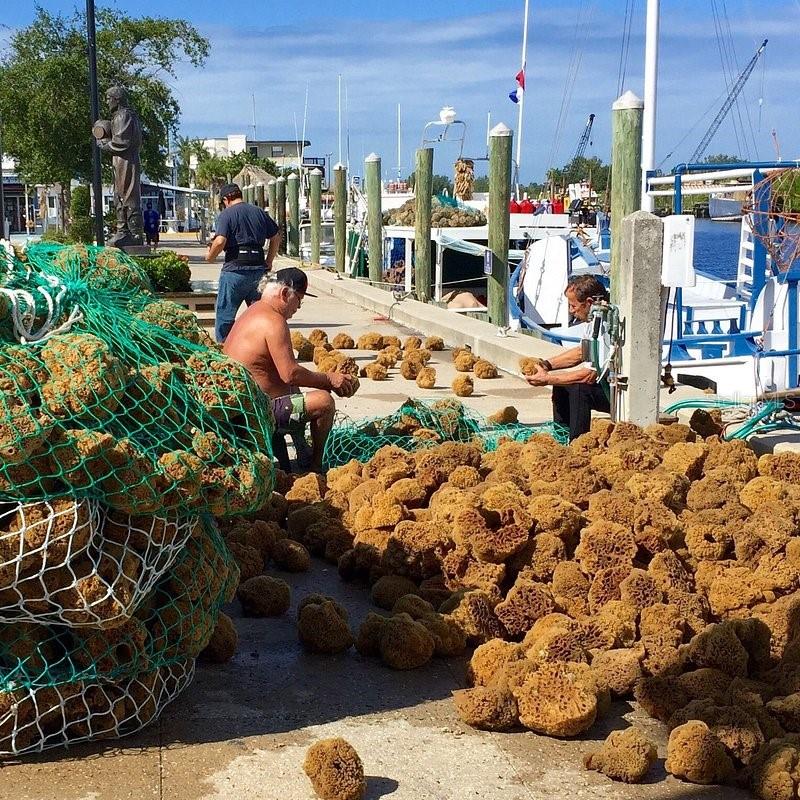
(73, 562)
(423, 423)
(109, 393)
(173, 624)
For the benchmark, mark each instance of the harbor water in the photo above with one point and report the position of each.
(716, 247)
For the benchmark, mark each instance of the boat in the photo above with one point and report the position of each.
(725, 207)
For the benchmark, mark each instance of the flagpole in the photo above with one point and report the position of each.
(340, 119)
(522, 99)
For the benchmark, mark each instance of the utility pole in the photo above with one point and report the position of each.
(94, 101)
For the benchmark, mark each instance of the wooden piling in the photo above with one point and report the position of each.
(315, 213)
(372, 173)
(423, 186)
(293, 222)
(340, 214)
(626, 172)
(280, 210)
(500, 144)
(271, 194)
(260, 195)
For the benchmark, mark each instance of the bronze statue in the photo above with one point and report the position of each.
(122, 137)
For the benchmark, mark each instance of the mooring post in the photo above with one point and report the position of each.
(260, 194)
(500, 143)
(372, 174)
(340, 214)
(626, 171)
(293, 223)
(280, 210)
(271, 202)
(423, 186)
(638, 293)
(315, 212)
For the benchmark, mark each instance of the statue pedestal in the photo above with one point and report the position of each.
(137, 249)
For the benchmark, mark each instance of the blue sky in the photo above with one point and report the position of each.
(427, 54)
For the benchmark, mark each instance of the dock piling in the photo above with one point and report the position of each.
(372, 173)
(293, 221)
(340, 214)
(423, 184)
(500, 144)
(315, 212)
(280, 210)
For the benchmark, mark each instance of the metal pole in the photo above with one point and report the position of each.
(293, 223)
(94, 101)
(372, 174)
(499, 222)
(650, 87)
(626, 171)
(423, 181)
(340, 214)
(315, 212)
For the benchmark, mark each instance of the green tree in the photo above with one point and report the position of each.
(439, 184)
(213, 171)
(44, 100)
(722, 158)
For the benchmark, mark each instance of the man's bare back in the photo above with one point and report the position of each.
(255, 336)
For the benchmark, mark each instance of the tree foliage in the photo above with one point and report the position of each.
(44, 97)
(439, 184)
(722, 158)
(213, 171)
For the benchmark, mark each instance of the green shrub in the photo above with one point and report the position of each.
(167, 271)
(81, 230)
(79, 205)
(54, 234)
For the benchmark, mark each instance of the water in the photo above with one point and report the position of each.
(716, 247)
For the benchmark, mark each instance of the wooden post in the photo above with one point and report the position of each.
(340, 214)
(315, 212)
(639, 296)
(626, 172)
(372, 174)
(260, 194)
(500, 143)
(280, 210)
(271, 194)
(423, 183)
(248, 193)
(293, 223)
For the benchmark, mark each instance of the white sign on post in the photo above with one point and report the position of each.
(488, 257)
(677, 264)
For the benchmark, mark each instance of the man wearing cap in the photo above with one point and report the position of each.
(241, 231)
(260, 340)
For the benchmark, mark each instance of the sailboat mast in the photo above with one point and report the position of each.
(340, 119)
(522, 98)
(303, 145)
(650, 89)
(398, 142)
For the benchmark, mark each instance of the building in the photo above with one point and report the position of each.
(286, 153)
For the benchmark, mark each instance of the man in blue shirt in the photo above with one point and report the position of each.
(242, 230)
(152, 221)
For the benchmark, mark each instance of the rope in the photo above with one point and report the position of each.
(23, 311)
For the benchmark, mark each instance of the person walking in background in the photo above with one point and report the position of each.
(152, 224)
(242, 230)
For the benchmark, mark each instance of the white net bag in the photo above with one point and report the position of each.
(72, 562)
(32, 720)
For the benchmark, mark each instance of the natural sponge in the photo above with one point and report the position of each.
(405, 643)
(462, 385)
(434, 343)
(504, 416)
(222, 645)
(624, 756)
(291, 556)
(322, 625)
(484, 369)
(370, 341)
(491, 708)
(426, 378)
(375, 372)
(335, 770)
(465, 361)
(695, 754)
(343, 341)
(263, 596)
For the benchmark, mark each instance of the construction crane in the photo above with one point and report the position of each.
(584, 140)
(726, 106)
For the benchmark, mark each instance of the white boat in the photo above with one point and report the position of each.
(725, 207)
(740, 338)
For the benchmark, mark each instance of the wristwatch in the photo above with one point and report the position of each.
(546, 364)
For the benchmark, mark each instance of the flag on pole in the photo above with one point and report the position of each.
(516, 95)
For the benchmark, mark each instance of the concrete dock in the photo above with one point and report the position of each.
(241, 730)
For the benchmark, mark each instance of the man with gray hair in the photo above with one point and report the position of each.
(260, 341)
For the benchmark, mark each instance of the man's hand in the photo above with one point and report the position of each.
(539, 378)
(341, 384)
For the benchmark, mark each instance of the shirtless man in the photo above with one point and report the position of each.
(260, 340)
